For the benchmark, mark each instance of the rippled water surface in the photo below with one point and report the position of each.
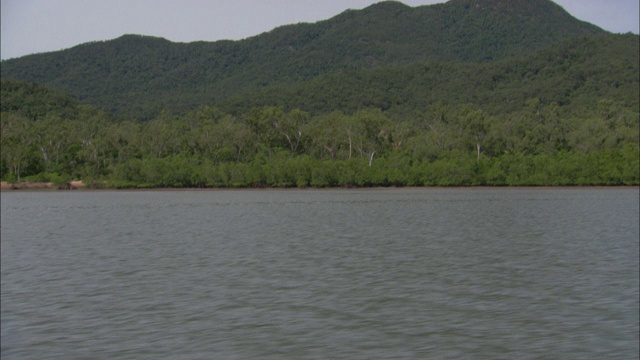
(321, 274)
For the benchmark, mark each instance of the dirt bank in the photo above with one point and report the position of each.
(73, 185)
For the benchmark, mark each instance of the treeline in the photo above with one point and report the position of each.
(269, 147)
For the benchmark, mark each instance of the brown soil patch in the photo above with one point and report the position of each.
(42, 186)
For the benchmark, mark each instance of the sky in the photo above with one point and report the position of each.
(36, 26)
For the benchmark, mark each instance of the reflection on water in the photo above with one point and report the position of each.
(401, 273)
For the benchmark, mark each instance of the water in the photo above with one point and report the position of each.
(321, 274)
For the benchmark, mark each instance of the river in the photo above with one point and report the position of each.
(472, 273)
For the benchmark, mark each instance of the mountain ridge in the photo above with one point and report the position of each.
(138, 76)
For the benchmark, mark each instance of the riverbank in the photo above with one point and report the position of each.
(79, 185)
(26, 185)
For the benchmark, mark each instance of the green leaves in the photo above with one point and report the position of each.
(373, 58)
(566, 114)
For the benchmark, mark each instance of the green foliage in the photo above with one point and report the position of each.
(270, 147)
(376, 57)
(387, 96)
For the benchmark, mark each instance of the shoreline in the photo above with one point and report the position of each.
(27, 185)
(79, 185)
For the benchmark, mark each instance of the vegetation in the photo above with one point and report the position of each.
(350, 101)
(138, 77)
(267, 146)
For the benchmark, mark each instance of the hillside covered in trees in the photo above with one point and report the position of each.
(469, 92)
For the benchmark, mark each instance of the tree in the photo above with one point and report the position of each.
(372, 130)
(53, 136)
(477, 126)
(263, 122)
(159, 138)
(291, 125)
(328, 135)
(18, 144)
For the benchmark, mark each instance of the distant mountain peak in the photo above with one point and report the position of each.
(519, 8)
(503, 3)
(389, 5)
(134, 71)
(380, 10)
(532, 8)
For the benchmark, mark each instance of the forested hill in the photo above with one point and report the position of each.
(138, 77)
(469, 92)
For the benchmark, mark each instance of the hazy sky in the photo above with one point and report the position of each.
(34, 26)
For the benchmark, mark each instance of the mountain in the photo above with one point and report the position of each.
(138, 76)
(470, 92)
(35, 101)
(573, 74)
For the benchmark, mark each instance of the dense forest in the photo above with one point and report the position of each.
(137, 77)
(343, 102)
(47, 136)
